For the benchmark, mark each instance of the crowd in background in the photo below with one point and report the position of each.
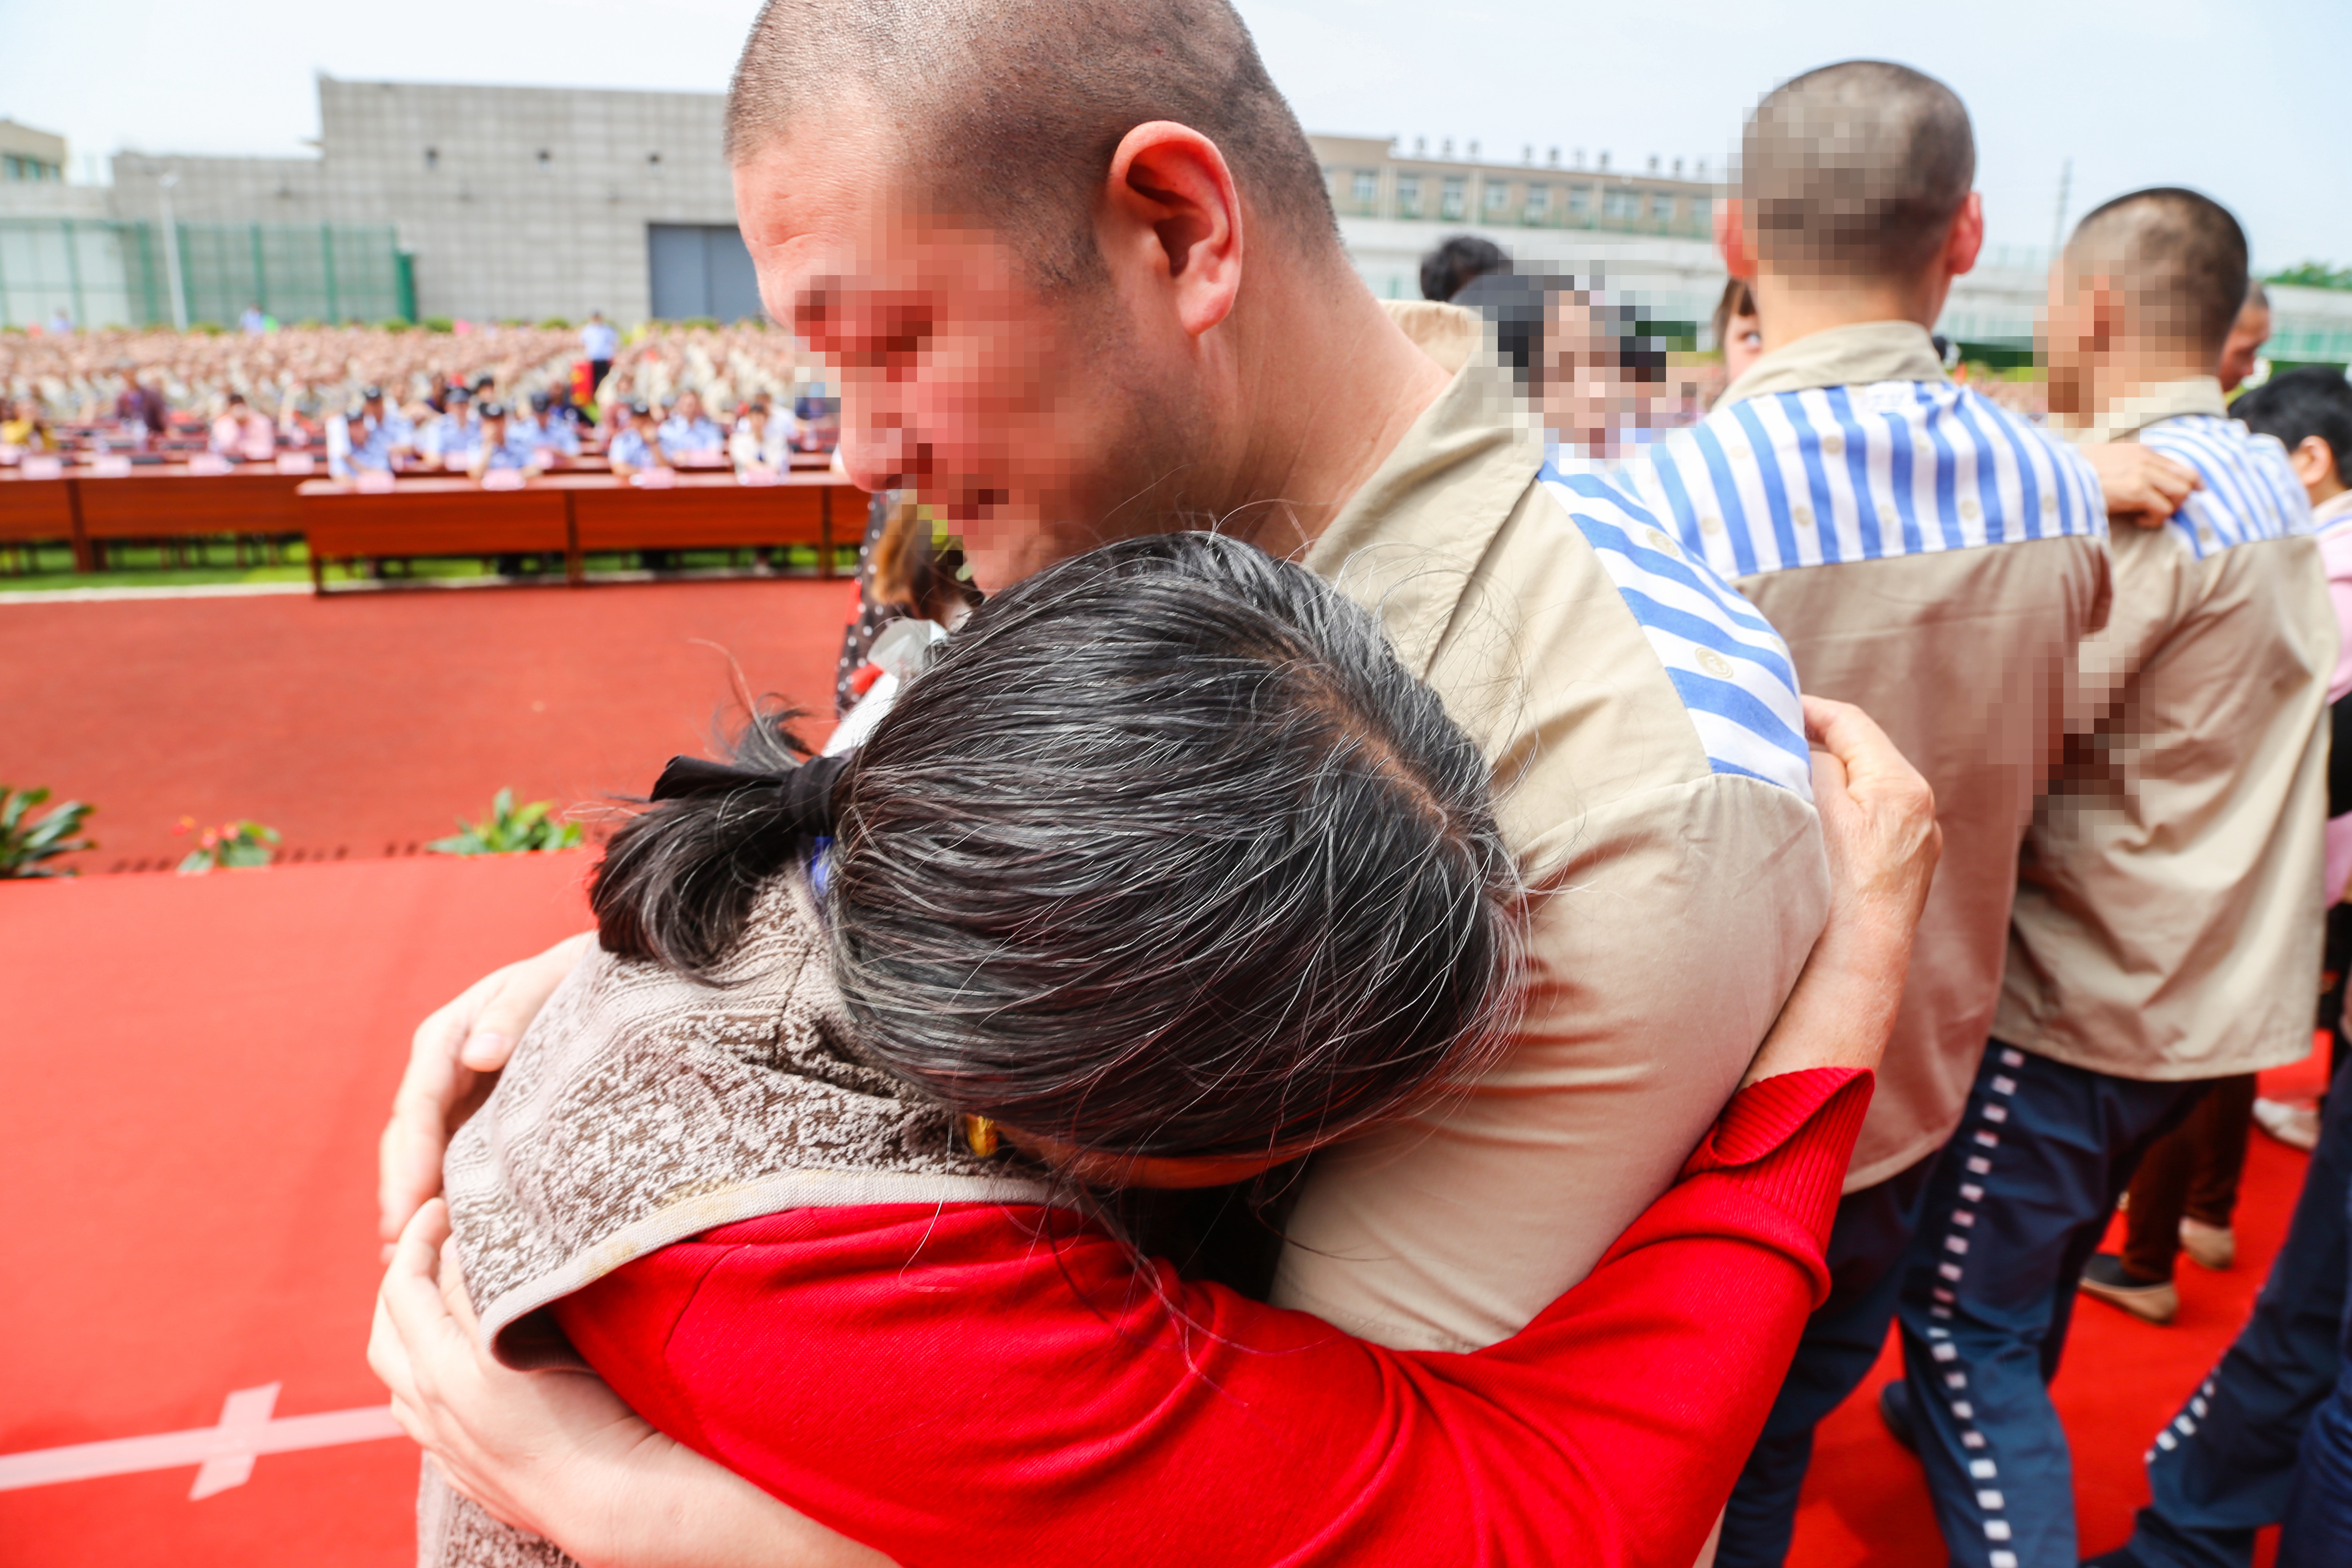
(298, 378)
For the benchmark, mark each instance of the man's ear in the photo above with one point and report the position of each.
(1731, 238)
(1175, 213)
(1965, 241)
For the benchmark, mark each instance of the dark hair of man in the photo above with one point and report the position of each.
(1012, 108)
(1737, 300)
(1457, 261)
(2296, 405)
(1854, 170)
(1526, 309)
(2178, 253)
(1164, 854)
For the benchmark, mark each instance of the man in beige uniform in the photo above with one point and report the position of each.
(2168, 926)
(1930, 558)
(1085, 358)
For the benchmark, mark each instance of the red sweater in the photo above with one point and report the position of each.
(949, 1388)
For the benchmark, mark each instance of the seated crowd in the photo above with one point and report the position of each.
(392, 399)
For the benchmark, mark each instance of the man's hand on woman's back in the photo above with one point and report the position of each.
(453, 1064)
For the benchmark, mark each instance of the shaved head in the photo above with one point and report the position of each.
(2179, 258)
(1011, 109)
(1856, 170)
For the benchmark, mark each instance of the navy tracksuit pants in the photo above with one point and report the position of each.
(1978, 1249)
(2014, 1209)
(2269, 1435)
(1868, 1242)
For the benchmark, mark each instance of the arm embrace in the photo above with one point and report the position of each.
(1616, 1419)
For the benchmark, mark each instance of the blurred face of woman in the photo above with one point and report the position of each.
(1589, 400)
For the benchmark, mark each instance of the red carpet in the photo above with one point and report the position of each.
(192, 1079)
(360, 725)
(1865, 1503)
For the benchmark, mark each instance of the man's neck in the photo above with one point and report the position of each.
(2132, 372)
(1791, 308)
(1330, 384)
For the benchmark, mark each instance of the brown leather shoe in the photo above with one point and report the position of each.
(2154, 1300)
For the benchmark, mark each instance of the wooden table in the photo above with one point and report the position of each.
(571, 514)
(154, 500)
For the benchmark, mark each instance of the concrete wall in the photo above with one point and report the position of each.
(222, 190)
(524, 201)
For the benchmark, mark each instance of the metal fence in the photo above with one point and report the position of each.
(104, 273)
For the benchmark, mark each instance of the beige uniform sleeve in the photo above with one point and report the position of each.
(1666, 937)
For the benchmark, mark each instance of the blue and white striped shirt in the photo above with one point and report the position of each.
(1866, 472)
(2249, 491)
(1729, 666)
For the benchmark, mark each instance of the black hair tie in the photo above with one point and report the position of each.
(806, 792)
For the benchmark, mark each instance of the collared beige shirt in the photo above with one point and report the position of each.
(1852, 356)
(2168, 913)
(1964, 657)
(1676, 903)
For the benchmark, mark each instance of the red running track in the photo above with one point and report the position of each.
(361, 725)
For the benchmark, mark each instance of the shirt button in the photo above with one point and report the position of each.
(1715, 664)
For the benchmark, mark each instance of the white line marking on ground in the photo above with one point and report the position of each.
(190, 591)
(223, 1455)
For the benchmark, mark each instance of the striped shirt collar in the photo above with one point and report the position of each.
(1857, 354)
(2130, 415)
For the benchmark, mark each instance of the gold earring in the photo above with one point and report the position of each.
(980, 1134)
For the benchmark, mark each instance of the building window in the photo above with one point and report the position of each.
(1702, 211)
(1538, 203)
(1580, 200)
(433, 157)
(1661, 207)
(1408, 195)
(1621, 203)
(1498, 200)
(1456, 200)
(1367, 190)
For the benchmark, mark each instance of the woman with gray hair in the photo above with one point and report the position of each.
(1164, 873)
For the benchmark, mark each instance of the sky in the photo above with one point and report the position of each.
(2242, 99)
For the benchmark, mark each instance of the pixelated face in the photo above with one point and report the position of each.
(2069, 335)
(2248, 333)
(1015, 414)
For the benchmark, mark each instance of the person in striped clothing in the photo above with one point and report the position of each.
(2267, 1436)
(2167, 929)
(1930, 558)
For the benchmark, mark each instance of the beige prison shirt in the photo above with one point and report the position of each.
(1963, 655)
(2169, 910)
(1676, 904)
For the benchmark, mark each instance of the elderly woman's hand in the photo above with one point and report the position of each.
(1879, 825)
(557, 1453)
